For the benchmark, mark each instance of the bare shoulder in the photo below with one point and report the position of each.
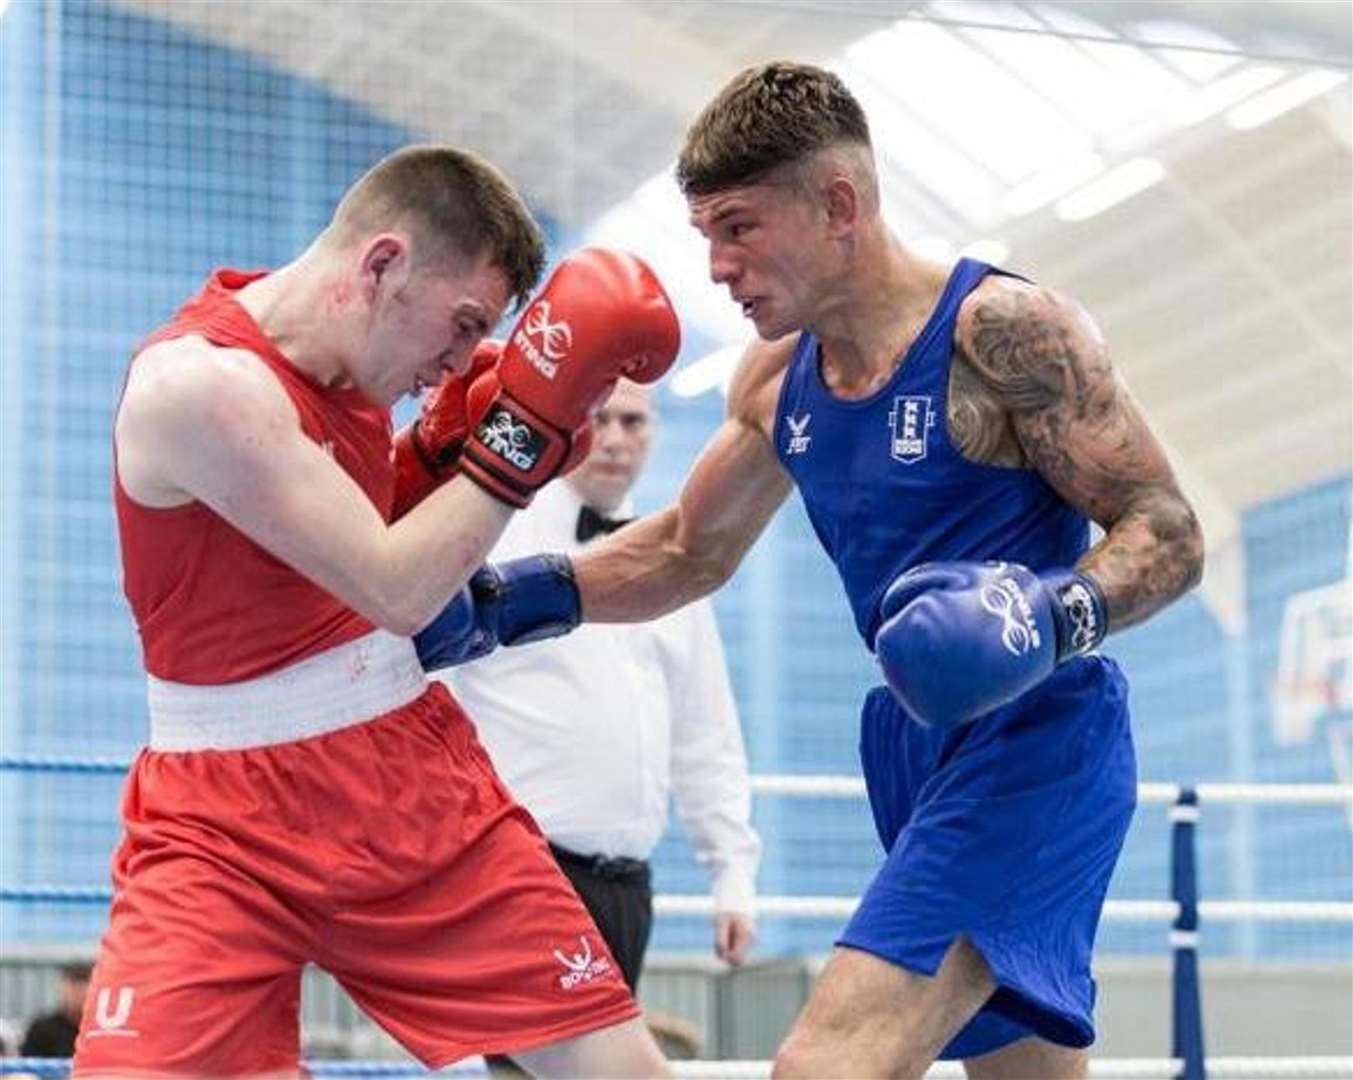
(189, 380)
(754, 391)
(1001, 299)
(184, 394)
(1026, 341)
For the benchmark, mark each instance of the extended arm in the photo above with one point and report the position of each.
(650, 567)
(653, 566)
(688, 550)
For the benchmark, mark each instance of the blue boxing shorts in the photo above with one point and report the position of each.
(1004, 831)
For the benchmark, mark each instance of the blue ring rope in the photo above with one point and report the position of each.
(31, 763)
(56, 894)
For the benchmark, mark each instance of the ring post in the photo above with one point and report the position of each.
(1187, 1040)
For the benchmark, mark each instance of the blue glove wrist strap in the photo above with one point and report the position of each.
(1080, 612)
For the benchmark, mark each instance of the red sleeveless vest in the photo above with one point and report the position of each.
(211, 605)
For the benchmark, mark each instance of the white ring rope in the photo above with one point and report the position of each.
(841, 907)
(818, 785)
(815, 785)
(807, 785)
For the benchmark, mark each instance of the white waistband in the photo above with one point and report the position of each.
(345, 685)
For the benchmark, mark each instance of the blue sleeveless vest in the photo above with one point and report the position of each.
(884, 487)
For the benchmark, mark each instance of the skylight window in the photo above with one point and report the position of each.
(960, 93)
(1196, 63)
(905, 143)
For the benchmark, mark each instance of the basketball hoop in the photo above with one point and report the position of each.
(1315, 669)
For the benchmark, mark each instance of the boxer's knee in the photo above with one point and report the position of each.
(804, 1053)
(814, 1051)
(621, 1050)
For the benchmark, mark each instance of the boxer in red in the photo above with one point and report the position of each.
(306, 796)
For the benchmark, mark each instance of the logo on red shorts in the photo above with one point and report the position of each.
(581, 967)
(111, 1013)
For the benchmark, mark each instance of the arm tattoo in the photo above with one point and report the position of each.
(979, 422)
(1150, 556)
(1085, 435)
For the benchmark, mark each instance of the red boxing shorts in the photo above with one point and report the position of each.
(386, 852)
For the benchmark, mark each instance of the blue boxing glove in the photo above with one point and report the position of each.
(511, 603)
(959, 639)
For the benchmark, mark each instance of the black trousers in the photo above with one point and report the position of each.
(618, 894)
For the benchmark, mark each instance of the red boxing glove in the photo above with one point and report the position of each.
(427, 452)
(601, 315)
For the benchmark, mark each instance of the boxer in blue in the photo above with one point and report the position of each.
(952, 432)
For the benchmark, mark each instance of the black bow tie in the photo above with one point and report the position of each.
(591, 524)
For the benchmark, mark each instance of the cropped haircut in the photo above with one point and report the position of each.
(455, 203)
(766, 117)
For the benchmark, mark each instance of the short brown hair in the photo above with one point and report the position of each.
(462, 205)
(771, 115)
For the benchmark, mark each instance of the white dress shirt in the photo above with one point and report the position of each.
(592, 732)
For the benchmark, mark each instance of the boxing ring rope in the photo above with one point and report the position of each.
(837, 907)
(817, 785)
(1136, 911)
(1184, 911)
(806, 785)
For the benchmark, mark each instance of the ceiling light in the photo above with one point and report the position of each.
(1119, 183)
(1046, 185)
(1222, 93)
(1284, 97)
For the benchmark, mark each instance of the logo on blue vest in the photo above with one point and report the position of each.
(798, 434)
(911, 420)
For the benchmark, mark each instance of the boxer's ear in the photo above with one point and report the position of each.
(384, 266)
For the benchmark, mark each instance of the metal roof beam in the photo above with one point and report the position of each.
(620, 40)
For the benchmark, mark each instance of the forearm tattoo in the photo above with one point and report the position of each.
(1153, 554)
(1084, 434)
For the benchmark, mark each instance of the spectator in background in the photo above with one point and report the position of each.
(592, 733)
(52, 1035)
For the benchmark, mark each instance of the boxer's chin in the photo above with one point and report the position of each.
(771, 322)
